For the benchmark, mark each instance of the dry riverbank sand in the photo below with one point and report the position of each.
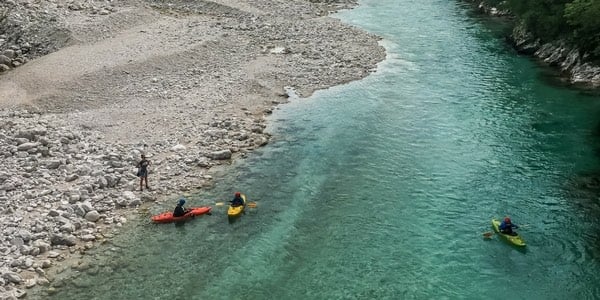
(187, 82)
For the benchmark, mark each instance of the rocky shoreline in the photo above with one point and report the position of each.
(575, 67)
(93, 84)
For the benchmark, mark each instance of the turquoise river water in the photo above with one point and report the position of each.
(382, 188)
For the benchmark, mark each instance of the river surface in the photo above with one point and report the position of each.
(382, 188)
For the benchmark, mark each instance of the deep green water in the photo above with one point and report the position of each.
(382, 188)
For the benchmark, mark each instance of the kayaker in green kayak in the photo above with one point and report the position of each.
(506, 227)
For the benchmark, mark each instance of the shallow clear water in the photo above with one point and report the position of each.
(382, 188)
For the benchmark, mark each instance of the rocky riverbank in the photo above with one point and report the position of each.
(575, 67)
(90, 85)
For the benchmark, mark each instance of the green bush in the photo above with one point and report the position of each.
(577, 21)
(584, 17)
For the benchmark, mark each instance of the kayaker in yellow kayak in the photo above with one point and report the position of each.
(237, 200)
(179, 210)
(506, 227)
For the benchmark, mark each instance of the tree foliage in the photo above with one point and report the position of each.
(577, 21)
(584, 17)
(544, 18)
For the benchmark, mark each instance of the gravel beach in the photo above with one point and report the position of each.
(86, 87)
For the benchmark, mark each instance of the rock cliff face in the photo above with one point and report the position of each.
(574, 65)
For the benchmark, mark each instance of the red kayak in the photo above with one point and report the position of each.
(167, 217)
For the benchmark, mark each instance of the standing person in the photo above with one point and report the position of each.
(143, 171)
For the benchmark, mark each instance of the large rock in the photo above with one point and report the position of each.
(67, 239)
(9, 53)
(25, 234)
(4, 60)
(135, 203)
(12, 277)
(129, 195)
(53, 164)
(88, 237)
(221, 155)
(87, 206)
(19, 293)
(42, 245)
(79, 210)
(71, 177)
(27, 146)
(111, 180)
(147, 198)
(92, 216)
(177, 148)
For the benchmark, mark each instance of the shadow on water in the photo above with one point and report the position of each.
(552, 76)
(232, 220)
(506, 246)
(584, 187)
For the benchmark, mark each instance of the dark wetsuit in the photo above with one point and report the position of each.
(179, 211)
(237, 201)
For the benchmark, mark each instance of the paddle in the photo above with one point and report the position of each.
(249, 204)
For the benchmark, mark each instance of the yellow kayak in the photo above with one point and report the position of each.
(237, 210)
(513, 239)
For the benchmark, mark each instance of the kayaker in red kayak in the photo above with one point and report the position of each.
(179, 210)
(237, 200)
(506, 226)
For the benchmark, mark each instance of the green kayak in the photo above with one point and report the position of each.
(513, 239)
